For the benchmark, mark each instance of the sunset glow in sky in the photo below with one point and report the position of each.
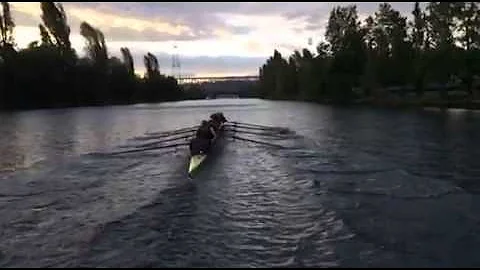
(212, 38)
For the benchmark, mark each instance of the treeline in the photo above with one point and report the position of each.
(369, 59)
(49, 73)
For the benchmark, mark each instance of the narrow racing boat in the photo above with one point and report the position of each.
(197, 160)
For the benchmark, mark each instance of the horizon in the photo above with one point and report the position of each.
(212, 39)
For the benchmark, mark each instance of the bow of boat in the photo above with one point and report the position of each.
(195, 161)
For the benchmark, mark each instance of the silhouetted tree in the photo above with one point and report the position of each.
(48, 73)
(55, 26)
(6, 26)
(96, 48)
(128, 60)
(440, 46)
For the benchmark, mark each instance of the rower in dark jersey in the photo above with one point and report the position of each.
(203, 139)
(217, 120)
(206, 131)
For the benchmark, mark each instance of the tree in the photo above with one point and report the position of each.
(55, 29)
(128, 60)
(7, 26)
(96, 48)
(469, 38)
(346, 39)
(151, 66)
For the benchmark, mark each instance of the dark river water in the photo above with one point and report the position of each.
(357, 187)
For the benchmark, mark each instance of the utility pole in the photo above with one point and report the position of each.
(176, 64)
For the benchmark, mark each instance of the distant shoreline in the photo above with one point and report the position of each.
(398, 103)
(389, 103)
(412, 104)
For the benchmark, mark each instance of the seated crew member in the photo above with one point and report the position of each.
(203, 139)
(217, 119)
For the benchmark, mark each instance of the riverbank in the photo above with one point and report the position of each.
(401, 103)
(409, 103)
(393, 103)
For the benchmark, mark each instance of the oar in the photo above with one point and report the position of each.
(259, 142)
(247, 124)
(180, 130)
(279, 129)
(162, 141)
(164, 135)
(256, 133)
(251, 125)
(148, 148)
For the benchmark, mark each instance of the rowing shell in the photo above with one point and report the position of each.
(197, 160)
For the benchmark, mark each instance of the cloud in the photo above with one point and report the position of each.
(138, 21)
(157, 21)
(25, 15)
(316, 19)
(211, 37)
(170, 21)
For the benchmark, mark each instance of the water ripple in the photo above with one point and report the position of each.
(350, 194)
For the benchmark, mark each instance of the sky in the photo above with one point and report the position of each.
(210, 39)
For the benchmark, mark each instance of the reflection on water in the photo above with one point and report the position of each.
(28, 137)
(362, 187)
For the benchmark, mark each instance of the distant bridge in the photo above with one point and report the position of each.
(212, 87)
(199, 80)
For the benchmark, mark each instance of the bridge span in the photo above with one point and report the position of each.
(199, 80)
(212, 87)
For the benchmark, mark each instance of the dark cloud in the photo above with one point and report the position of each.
(172, 9)
(317, 18)
(201, 18)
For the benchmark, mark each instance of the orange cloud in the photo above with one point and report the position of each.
(30, 8)
(105, 20)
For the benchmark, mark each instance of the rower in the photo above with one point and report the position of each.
(205, 131)
(222, 117)
(217, 119)
(203, 139)
(214, 123)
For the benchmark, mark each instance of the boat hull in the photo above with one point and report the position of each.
(196, 161)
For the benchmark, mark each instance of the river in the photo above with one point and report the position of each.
(359, 187)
